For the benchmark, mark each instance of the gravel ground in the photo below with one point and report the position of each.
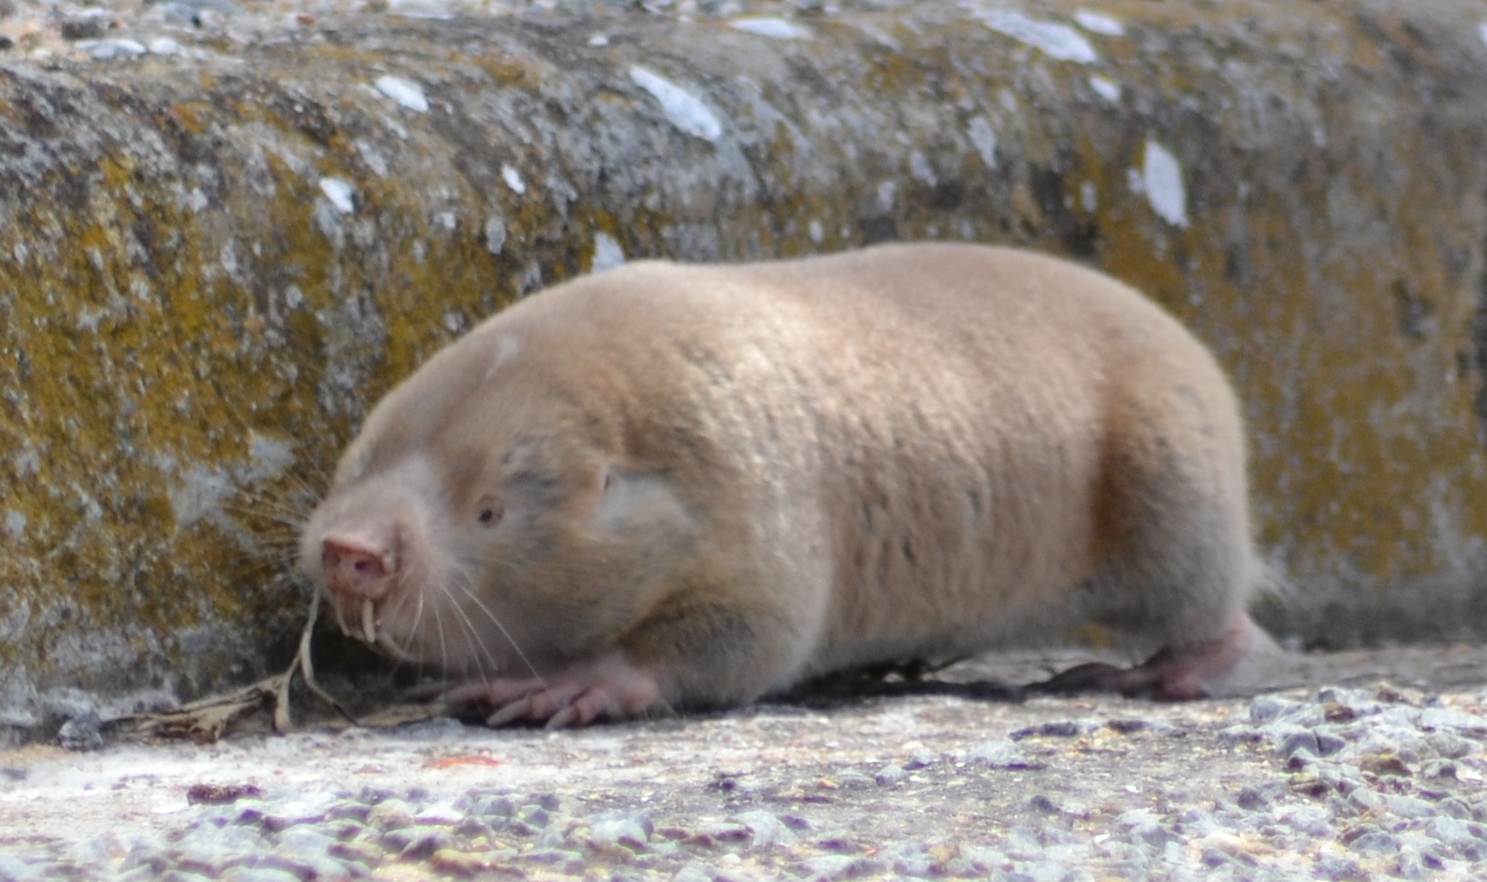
(1338, 782)
(1358, 780)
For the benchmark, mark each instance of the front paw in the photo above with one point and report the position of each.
(609, 688)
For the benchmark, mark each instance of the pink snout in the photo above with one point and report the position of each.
(356, 567)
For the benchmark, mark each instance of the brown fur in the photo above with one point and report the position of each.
(721, 480)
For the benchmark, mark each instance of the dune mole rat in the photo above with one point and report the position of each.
(673, 486)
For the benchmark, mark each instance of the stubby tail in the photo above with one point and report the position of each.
(1272, 585)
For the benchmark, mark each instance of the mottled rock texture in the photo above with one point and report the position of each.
(213, 262)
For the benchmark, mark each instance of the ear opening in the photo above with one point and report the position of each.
(639, 502)
(619, 491)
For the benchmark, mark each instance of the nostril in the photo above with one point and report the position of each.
(354, 566)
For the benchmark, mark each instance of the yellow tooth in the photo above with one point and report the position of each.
(368, 621)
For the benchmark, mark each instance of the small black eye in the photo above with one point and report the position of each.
(491, 511)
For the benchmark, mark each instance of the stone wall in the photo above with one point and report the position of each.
(212, 262)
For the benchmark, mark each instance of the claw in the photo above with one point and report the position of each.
(609, 687)
(462, 694)
(516, 710)
(566, 717)
(435, 689)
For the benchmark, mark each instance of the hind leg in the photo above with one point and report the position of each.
(1187, 600)
(1176, 567)
(1172, 674)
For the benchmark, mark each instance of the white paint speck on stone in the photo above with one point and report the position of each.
(1052, 38)
(1105, 87)
(405, 92)
(15, 524)
(879, 36)
(88, 320)
(920, 168)
(268, 456)
(198, 496)
(393, 125)
(164, 46)
(107, 50)
(228, 258)
(513, 179)
(1099, 23)
(599, 40)
(495, 235)
(340, 193)
(372, 157)
(984, 139)
(1161, 177)
(683, 109)
(816, 232)
(607, 253)
(27, 463)
(887, 195)
(767, 26)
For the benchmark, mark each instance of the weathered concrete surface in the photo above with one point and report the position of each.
(211, 265)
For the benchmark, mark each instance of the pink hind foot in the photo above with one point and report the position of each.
(608, 688)
(1196, 672)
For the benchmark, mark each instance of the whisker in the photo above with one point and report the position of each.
(290, 510)
(278, 537)
(385, 638)
(473, 653)
(341, 619)
(477, 646)
(443, 639)
(258, 566)
(264, 524)
(495, 620)
(391, 646)
(283, 586)
(305, 488)
(280, 558)
(401, 593)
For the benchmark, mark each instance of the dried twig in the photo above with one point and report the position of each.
(207, 719)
